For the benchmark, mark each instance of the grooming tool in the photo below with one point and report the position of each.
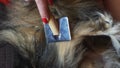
(64, 31)
(56, 31)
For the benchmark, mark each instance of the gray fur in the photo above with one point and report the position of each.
(86, 19)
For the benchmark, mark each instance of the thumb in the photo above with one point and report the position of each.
(43, 9)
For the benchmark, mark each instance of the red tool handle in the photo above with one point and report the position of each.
(5, 2)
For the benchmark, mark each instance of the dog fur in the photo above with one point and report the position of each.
(87, 21)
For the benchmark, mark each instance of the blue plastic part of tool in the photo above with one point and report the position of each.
(64, 31)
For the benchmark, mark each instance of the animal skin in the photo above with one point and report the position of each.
(95, 36)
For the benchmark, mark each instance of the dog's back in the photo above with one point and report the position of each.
(23, 29)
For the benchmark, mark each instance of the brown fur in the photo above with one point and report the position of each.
(87, 22)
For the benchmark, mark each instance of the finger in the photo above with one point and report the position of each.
(5, 2)
(43, 9)
(50, 2)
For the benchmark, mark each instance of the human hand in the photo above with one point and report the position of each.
(44, 9)
(47, 16)
(111, 6)
(5, 2)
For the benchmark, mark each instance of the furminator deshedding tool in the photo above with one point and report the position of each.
(56, 31)
(63, 32)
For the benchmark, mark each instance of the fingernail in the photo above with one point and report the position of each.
(45, 20)
(50, 2)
